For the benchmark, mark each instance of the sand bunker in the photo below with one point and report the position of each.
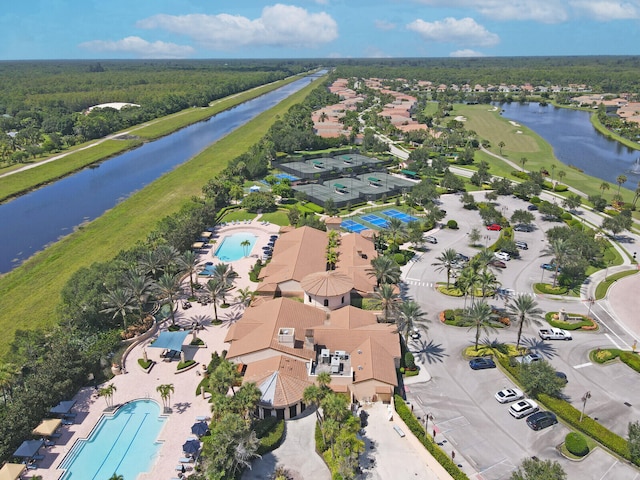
(460, 118)
(514, 123)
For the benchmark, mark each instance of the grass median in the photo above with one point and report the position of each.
(30, 294)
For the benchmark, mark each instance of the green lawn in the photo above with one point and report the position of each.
(278, 217)
(240, 215)
(29, 295)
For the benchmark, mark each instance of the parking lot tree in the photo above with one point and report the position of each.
(452, 182)
(561, 251)
(540, 377)
(502, 186)
(468, 201)
(415, 234)
(489, 214)
(482, 175)
(445, 262)
(527, 189)
(479, 314)
(572, 202)
(522, 216)
(634, 441)
(534, 469)
(550, 211)
(599, 203)
(491, 196)
(474, 236)
(523, 309)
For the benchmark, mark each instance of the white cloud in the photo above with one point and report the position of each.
(450, 30)
(607, 10)
(140, 48)
(544, 11)
(278, 26)
(384, 25)
(466, 53)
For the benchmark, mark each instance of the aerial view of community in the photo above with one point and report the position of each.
(320, 240)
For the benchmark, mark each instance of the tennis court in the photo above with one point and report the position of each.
(352, 226)
(287, 176)
(403, 217)
(375, 220)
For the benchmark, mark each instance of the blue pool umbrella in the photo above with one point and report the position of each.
(63, 407)
(199, 428)
(170, 340)
(191, 446)
(28, 448)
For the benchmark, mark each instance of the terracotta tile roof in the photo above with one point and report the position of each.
(355, 253)
(327, 284)
(333, 221)
(281, 380)
(351, 317)
(258, 328)
(370, 361)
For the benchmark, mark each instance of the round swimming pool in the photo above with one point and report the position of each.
(235, 246)
(125, 443)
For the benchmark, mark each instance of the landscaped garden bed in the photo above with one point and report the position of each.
(572, 321)
(455, 318)
(607, 355)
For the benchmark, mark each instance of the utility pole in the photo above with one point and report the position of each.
(585, 397)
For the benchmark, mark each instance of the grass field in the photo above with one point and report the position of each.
(94, 151)
(279, 217)
(30, 294)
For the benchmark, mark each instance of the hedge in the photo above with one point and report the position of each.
(576, 444)
(418, 430)
(588, 426)
(271, 440)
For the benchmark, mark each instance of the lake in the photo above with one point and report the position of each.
(32, 221)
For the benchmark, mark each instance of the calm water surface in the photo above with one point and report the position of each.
(32, 221)
(576, 142)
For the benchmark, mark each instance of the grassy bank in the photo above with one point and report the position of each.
(490, 125)
(29, 294)
(97, 150)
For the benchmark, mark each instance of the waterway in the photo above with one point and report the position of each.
(576, 142)
(39, 218)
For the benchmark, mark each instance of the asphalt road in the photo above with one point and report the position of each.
(489, 443)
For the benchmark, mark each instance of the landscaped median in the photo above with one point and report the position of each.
(421, 434)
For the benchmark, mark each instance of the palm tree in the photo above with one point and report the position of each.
(483, 258)
(246, 449)
(8, 374)
(395, 231)
(501, 145)
(215, 288)
(332, 258)
(118, 302)
(385, 269)
(246, 399)
(487, 282)
(389, 300)
(561, 251)
(553, 169)
(140, 287)
(189, 264)
(636, 195)
(150, 263)
(245, 244)
(620, 180)
(446, 261)
(323, 379)
(245, 296)
(168, 258)
(480, 315)
(561, 174)
(165, 390)
(525, 309)
(410, 314)
(523, 160)
(467, 282)
(115, 476)
(107, 392)
(226, 275)
(313, 395)
(604, 186)
(167, 288)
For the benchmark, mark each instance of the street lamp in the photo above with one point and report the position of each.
(585, 397)
(590, 301)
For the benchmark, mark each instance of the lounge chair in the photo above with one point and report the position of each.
(202, 418)
(37, 457)
(67, 422)
(186, 460)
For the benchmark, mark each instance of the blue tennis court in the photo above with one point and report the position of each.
(375, 220)
(352, 226)
(403, 217)
(287, 176)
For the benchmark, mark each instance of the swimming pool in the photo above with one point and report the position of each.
(124, 444)
(231, 248)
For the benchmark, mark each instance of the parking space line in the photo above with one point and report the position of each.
(582, 365)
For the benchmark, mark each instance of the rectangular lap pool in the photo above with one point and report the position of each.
(125, 444)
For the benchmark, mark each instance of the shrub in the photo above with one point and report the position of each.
(534, 200)
(566, 216)
(409, 361)
(399, 259)
(449, 315)
(272, 439)
(560, 188)
(452, 224)
(418, 430)
(576, 444)
(631, 359)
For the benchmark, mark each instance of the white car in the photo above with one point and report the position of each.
(509, 395)
(503, 256)
(523, 408)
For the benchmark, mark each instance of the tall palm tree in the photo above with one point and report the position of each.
(385, 269)
(561, 251)
(446, 261)
(620, 180)
(150, 263)
(389, 300)
(395, 231)
(226, 275)
(168, 258)
(140, 287)
(115, 476)
(215, 288)
(107, 392)
(487, 282)
(167, 289)
(501, 145)
(467, 282)
(246, 450)
(165, 390)
(483, 258)
(523, 160)
(246, 399)
(410, 314)
(119, 302)
(480, 315)
(525, 309)
(604, 186)
(561, 174)
(189, 263)
(313, 395)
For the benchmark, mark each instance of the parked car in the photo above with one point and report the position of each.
(497, 263)
(509, 395)
(494, 227)
(529, 358)
(462, 257)
(548, 266)
(502, 256)
(523, 227)
(430, 239)
(532, 207)
(415, 334)
(522, 245)
(481, 363)
(541, 420)
(523, 408)
(553, 333)
(562, 376)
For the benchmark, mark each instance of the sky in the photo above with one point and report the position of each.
(138, 29)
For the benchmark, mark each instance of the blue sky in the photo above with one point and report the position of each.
(73, 29)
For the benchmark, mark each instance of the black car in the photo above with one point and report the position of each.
(462, 257)
(522, 245)
(523, 227)
(541, 420)
(562, 376)
(481, 363)
(532, 207)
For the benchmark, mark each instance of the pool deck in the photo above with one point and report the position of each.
(138, 384)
